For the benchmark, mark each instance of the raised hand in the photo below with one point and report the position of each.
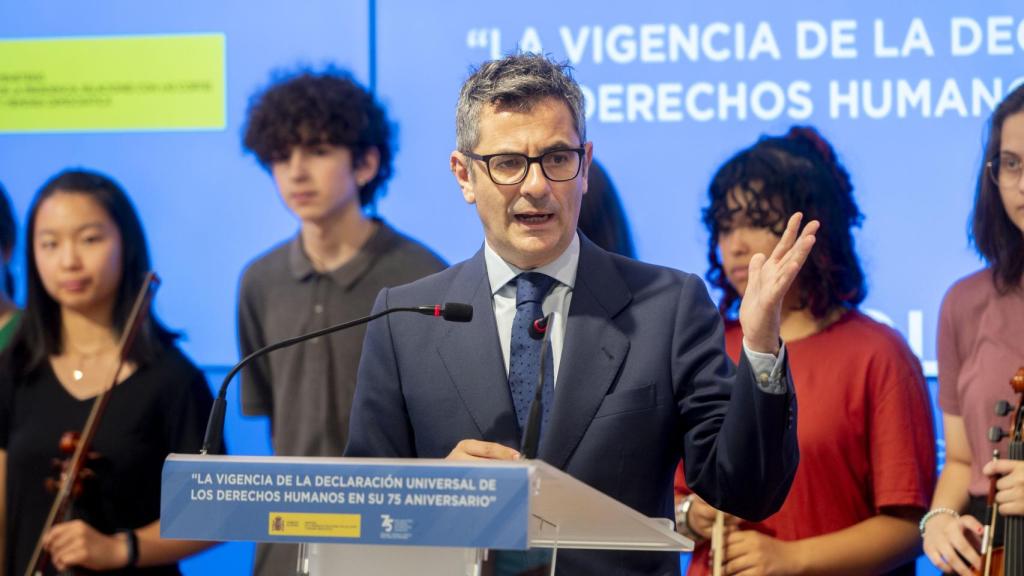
(769, 278)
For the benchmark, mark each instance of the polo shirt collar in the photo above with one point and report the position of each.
(346, 275)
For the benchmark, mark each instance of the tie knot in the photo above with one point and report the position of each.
(532, 287)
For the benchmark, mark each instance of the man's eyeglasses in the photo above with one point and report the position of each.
(557, 165)
(1005, 170)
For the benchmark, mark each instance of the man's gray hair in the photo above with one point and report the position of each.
(516, 82)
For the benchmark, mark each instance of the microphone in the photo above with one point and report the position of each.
(450, 311)
(213, 439)
(531, 438)
(539, 327)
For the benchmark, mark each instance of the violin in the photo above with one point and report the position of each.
(67, 444)
(74, 470)
(1008, 558)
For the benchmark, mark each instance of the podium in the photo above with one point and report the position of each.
(398, 516)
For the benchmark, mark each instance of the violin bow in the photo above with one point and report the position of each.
(717, 543)
(67, 482)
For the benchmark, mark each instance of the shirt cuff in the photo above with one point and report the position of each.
(768, 369)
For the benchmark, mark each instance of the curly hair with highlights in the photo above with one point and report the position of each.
(310, 108)
(770, 181)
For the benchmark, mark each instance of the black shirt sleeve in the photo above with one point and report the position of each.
(188, 402)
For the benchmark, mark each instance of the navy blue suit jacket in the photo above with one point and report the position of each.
(643, 380)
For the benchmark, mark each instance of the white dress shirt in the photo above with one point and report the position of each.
(503, 296)
(767, 367)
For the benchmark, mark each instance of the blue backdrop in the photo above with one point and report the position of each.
(902, 89)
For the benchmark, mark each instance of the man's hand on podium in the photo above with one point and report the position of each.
(480, 450)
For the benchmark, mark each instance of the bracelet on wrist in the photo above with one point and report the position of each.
(933, 513)
(132, 543)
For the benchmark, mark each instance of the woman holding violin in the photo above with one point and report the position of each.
(87, 259)
(981, 345)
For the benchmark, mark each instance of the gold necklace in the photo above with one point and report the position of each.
(79, 359)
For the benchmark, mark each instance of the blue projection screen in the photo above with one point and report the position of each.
(673, 89)
(902, 90)
(208, 208)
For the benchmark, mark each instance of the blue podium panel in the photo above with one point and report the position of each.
(357, 501)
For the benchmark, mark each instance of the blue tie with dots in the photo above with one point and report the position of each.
(524, 353)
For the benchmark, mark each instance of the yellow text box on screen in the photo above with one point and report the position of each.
(112, 83)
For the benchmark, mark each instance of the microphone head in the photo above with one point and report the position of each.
(457, 312)
(538, 327)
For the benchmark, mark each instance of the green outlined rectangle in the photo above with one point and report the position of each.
(112, 84)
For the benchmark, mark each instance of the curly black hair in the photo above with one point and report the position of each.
(992, 232)
(309, 108)
(770, 181)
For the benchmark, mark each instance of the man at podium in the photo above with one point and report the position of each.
(636, 374)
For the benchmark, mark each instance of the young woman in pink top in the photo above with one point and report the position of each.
(981, 345)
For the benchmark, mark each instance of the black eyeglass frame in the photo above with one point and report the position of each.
(486, 159)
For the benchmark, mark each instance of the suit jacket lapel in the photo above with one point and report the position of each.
(593, 351)
(472, 355)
